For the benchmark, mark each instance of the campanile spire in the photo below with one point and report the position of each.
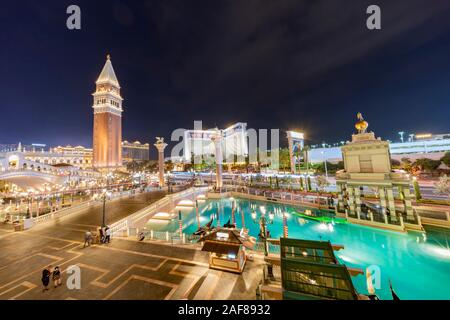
(107, 137)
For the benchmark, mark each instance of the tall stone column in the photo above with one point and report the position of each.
(340, 196)
(357, 192)
(391, 202)
(382, 195)
(217, 139)
(351, 200)
(160, 145)
(408, 204)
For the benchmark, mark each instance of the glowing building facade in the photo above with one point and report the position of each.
(234, 143)
(107, 137)
(135, 151)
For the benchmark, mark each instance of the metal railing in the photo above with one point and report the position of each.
(132, 220)
(70, 210)
(171, 237)
(61, 213)
(294, 198)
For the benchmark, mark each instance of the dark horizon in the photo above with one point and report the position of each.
(287, 65)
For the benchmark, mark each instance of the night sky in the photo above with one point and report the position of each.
(306, 65)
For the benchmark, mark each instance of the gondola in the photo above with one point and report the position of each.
(229, 224)
(323, 219)
(202, 230)
(395, 297)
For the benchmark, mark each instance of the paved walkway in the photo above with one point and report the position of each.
(123, 269)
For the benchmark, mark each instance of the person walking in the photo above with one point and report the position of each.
(56, 275)
(102, 235)
(108, 235)
(46, 278)
(87, 239)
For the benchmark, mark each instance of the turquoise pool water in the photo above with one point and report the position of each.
(418, 265)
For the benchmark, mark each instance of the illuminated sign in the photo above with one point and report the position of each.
(424, 136)
(295, 135)
(222, 235)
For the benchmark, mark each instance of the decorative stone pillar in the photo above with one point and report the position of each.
(408, 204)
(351, 200)
(340, 204)
(382, 196)
(160, 145)
(357, 192)
(217, 140)
(391, 202)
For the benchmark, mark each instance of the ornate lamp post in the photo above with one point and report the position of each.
(160, 145)
(263, 223)
(180, 224)
(197, 214)
(285, 226)
(29, 211)
(104, 196)
(233, 209)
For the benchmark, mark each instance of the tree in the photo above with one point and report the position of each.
(443, 186)
(132, 166)
(247, 162)
(306, 156)
(446, 159)
(169, 165)
(405, 164)
(331, 167)
(308, 184)
(395, 164)
(301, 184)
(417, 189)
(427, 165)
(285, 159)
(322, 183)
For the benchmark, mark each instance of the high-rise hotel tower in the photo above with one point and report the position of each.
(107, 120)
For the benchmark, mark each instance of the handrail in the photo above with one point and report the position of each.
(66, 211)
(132, 219)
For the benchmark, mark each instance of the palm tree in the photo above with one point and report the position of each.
(443, 186)
(306, 156)
(322, 184)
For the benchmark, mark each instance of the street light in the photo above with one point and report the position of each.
(263, 222)
(104, 195)
(401, 133)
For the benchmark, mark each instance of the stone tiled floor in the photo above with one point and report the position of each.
(123, 269)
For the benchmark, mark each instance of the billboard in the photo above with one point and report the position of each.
(296, 144)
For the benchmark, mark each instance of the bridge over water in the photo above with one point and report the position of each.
(27, 178)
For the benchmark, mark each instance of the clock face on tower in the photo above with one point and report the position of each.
(107, 135)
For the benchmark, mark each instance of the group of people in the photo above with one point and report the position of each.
(102, 236)
(54, 274)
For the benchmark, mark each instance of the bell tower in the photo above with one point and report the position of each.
(107, 137)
